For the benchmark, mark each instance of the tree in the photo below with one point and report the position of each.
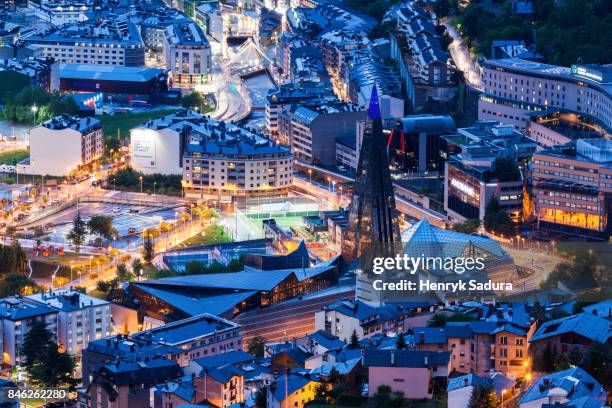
(596, 363)
(467, 227)
(257, 346)
(194, 268)
(496, 219)
(12, 259)
(354, 341)
(103, 286)
(581, 266)
(400, 343)
(441, 8)
(45, 364)
(78, 232)
(16, 283)
(102, 226)
(483, 397)
(148, 250)
(193, 100)
(506, 169)
(137, 266)
(562, 362)
(123, 274)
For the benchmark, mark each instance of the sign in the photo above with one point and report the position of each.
(143, 148)
(463, 187)
(587, 73)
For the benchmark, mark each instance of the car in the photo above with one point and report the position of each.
(132, 211)
(117, 210)
(2, 224)
(94, 183)
(131, 230)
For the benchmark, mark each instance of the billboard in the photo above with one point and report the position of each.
(143, 148)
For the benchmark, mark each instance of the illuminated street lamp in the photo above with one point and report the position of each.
(310, 175)
(502, 398)
(34, 110)
(140, 184)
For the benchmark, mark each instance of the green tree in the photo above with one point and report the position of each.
(78, 232)
(467, 227)
(102, 226)
(483, 397)
(562, 362)
(123, 275)
(581, 265)
(354, 340)
(193, 100)
(195, 268)
(597, 363)
(12, 259)
(257, 346)
(45, 364)
(137, 266)
(16, 283)
(496, 219)
(442, 8)
(506, 169)
(148, 250)
(400, 343)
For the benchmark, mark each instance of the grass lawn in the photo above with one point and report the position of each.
(13, 157)
(126, 121)
(44, 266)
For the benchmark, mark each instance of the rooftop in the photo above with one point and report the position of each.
(18, 308)
(82, 125)
(584, 324)
(182, 331)
(573, 384)
(67, 300)
(109, 72)
(405, 358)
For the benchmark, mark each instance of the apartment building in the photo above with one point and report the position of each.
(80, 319)
(572, 188)
(63, 144)
(18, 315)
(411, 372)
(103, 42)
(472, 178)
(514, 88)
(312, 129)
(343, 318)
(187, 53)
(58, 12)
(42, 72)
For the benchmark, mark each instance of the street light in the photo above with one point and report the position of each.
(34, 110)
(310, 175)
(154, 184)
(502, 398)
(140, 184)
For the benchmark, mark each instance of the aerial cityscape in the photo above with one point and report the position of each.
(306, 203)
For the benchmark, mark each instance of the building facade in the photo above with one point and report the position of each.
(514, 88)
(62, 145)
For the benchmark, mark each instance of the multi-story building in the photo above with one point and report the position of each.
(18, 315)
(424, 65)
(472, 178)
(81, 318)
(217, 160)
(311, 129)
(58, 12)
(345, 317)
(572, 188)
(187, 53)
(411, 372)
(289, 94)
(181, 341)
(18, 72)
(9, 33)
(514, 88)
(103, 42)
(63, 144)
(236, 165)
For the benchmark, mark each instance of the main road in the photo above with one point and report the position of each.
(463, 59)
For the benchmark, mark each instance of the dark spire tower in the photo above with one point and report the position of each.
(373, 218)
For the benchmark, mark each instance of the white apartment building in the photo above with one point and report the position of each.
(18, 315)
(62, 144)
(61, 12)
(515, 88)
(80, 319)
(106, 42)
(187, 53)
